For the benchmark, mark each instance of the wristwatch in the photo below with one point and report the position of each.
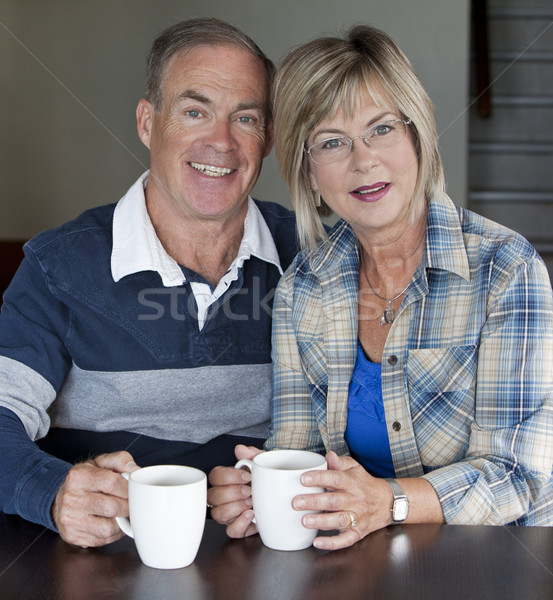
(400, 508)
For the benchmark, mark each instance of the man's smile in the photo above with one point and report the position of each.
(211, 170)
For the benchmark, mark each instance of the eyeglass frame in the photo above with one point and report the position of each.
(351, 140)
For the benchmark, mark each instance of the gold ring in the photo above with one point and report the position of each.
(352, 521)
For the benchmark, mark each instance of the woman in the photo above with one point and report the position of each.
(416, 337)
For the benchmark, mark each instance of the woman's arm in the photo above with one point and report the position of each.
(293, 421)
(509, 458)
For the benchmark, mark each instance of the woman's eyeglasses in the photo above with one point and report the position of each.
(383, 135)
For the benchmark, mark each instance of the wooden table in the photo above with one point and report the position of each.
(410, 562)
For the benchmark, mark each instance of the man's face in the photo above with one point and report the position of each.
(208, 139)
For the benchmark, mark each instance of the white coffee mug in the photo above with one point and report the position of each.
(275, 482)
(167, 507)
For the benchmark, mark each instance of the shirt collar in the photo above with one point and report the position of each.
(445, 243)
(137, 248)
(257, 239)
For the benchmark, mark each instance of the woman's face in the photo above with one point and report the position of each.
(370, 189)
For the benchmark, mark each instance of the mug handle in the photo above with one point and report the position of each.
(123, 522)
(245, 462)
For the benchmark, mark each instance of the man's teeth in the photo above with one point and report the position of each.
(372, 190)
(211, 170)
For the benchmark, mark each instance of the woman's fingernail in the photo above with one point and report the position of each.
(306, 479)
(308, 521)
(249, 515)
(248, 502)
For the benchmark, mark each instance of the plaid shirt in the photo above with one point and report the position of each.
(467, 368)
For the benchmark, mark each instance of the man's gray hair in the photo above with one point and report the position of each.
(188, 35)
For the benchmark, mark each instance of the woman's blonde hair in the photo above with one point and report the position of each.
(319, 78)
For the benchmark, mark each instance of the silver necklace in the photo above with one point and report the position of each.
(388, 315)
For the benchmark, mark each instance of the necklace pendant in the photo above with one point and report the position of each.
(388, 316)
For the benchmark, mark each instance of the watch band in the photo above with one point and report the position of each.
(400, 508)
(397, 490)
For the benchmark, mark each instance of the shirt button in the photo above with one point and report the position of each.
(392, 360)
(396, 425)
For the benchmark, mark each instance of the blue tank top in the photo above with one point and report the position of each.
(366, 433)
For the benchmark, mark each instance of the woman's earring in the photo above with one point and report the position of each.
(317, 198)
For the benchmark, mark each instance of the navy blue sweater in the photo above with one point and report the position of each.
(88, 365)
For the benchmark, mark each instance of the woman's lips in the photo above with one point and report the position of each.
(371, 193)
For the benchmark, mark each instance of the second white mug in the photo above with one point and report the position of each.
(275, 482)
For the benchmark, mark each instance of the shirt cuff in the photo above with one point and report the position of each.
(37, 490)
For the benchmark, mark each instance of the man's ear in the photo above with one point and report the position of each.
(144, 120)
(270, 139)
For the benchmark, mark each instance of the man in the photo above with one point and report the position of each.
(145, 326)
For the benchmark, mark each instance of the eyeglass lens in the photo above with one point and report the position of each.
(382, 135)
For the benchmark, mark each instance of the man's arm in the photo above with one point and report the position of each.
(30, 478)
(33, 364)
(79, 501)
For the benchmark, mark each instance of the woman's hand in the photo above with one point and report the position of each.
(356, 503)
(231, 496)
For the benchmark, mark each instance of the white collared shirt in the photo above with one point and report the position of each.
(137, 248)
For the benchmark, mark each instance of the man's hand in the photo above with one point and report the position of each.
(231, 496)
(92, 494)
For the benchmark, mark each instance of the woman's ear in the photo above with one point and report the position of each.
(312, 180)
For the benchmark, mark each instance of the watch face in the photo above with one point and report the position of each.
(401, 509)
